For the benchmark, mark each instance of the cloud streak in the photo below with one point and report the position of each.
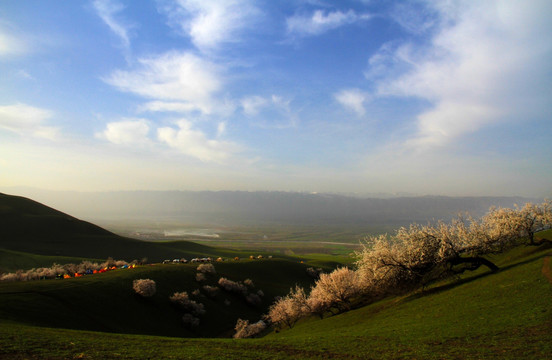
(196, 144)
(27, 120)
(12, 44)
(107, 10)
(320, 22)
(353, 99)
(129, 132)
(175, 81)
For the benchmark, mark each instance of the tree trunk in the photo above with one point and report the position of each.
(475, 262)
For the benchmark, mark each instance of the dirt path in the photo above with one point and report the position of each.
(546, 269)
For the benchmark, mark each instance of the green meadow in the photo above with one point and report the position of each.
(504, 315)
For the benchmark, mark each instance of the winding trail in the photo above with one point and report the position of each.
(546, 271)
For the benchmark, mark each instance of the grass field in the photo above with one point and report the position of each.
(503, 315)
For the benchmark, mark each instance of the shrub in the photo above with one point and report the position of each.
(183, 300)
(200, 277)
(206, 269)
(211, 290)
(253, 299)
(144, 287)
(249, 283)
(190, 321)
(233, 286)
(245, 330)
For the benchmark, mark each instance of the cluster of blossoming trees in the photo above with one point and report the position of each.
(413, 257)
(193, 309)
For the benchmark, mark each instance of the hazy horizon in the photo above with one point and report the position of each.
(170, 210)
(357, 97)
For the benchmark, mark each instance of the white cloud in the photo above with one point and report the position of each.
(485, 64)
(211, 23)
(320, 22)
(127, 132)
(353, 99)
(27, 120)
(280, 102)
(11, 44)
(253, 104)
(169, 106)
(176, 81)
(194, 143)
(107, 11)
(221, 128)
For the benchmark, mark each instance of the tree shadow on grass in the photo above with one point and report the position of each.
(470, 278)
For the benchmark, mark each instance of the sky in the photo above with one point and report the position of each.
(365, 97)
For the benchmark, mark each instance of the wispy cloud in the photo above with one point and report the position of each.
(320, 22)
(413, 16)
(209, 24)
(195, 143)
(353, 99)
(27, 120)
(23, 74)
(127, 132)
(484, 64)
(252, 105)
(107, 10)
(12, 44)
(269, 112)
(176, 81)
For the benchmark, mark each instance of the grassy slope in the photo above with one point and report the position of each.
(502, 315)
(106, 302)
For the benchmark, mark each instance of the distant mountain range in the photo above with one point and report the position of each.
(246, 208)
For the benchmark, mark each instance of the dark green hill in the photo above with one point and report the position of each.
(106, 302)
(31, 227)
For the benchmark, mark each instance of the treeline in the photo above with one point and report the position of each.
(65, 271)
(412, 258)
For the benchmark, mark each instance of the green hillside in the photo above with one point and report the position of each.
(502, 315)
(107, 302)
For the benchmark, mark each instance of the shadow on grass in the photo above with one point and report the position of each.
(469, 278)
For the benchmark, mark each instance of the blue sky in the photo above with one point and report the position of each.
(421, 97)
